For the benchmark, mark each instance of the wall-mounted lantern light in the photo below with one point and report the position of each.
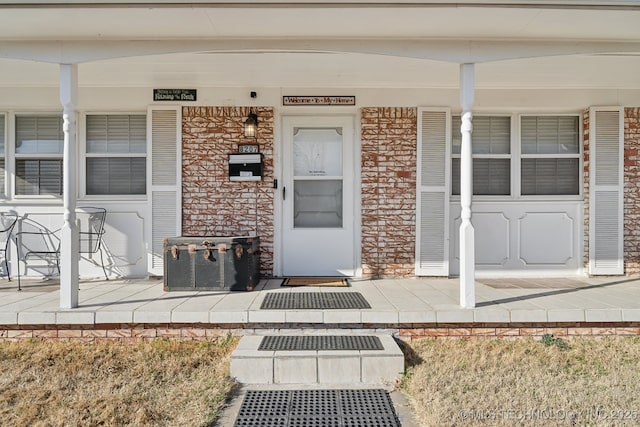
(251, 125)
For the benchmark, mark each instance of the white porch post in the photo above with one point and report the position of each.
(69, 245)
(467, 239)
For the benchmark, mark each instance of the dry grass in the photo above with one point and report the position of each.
(159, 383)
(525, 382)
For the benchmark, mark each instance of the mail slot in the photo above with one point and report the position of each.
(245, 167)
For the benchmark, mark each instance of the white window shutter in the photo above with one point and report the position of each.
(164, 127)
(432, 237)
(606, 190)
(2, 154)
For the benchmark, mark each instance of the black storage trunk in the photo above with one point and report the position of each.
(211, 263)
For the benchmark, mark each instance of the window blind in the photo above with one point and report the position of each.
(39, 146)
(114, 162)
(116, 134)
(39, 135)
(491, 143)
(550, 135)
(491, 135)
(36, 177)
(550, 176)
(116, 175)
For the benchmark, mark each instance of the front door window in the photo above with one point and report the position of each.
(317, 178)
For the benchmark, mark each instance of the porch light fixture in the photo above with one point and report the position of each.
(251, 125)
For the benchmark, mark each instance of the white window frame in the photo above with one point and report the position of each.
(84, 155)
(516, 156)
(508, 156)
(12, 140)
(578, 155)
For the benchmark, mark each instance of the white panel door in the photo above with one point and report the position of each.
(317, 194)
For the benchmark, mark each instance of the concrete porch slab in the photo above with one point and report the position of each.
(396, 303)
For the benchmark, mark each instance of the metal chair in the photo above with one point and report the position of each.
(44, 244)
(91, 229)
(36, 241)
(7, 223)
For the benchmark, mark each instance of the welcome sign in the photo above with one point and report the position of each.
(318, 100)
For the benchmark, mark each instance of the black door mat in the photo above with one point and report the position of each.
(320, 342)
(315, 408)
(314, 300)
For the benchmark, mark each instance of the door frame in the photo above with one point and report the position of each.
(278, 223)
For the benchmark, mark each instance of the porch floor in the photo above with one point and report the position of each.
(393, 302)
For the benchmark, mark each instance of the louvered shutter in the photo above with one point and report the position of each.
(2, 154)
(165, 194)
(606, 132)
(432, 240)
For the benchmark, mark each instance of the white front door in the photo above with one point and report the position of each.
(318, 196)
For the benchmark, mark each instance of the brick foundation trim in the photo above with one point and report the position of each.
(514, 331)
(137, 332)
(128, 333)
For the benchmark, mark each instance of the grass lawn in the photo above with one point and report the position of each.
(525, 382)
(451, 382)
(158, 383)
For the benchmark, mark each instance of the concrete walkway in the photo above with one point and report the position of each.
(393, 302)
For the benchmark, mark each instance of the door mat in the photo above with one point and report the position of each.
(314, 408)
(314, 300)
(320, 342)
(314, 281)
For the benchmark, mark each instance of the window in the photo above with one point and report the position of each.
(491, 155)
(548, 161)
(116, 162)
(39, 145)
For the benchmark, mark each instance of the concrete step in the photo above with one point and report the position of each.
(252, 366)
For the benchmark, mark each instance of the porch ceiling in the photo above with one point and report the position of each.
(322, 44)
(297, 70)
(179, 20)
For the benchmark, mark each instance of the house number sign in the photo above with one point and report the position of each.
(318, 100)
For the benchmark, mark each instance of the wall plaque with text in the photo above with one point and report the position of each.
(174, 94)
(318, 100)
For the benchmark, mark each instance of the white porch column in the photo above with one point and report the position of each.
(69, 244)
(467, 238)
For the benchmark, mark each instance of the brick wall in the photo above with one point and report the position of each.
(388, 191)
(514, 331)
(211, 204)
(138, 332)
(632, 190)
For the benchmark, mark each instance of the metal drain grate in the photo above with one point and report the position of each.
(314, 300)
(317, 408)
(320, 342)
